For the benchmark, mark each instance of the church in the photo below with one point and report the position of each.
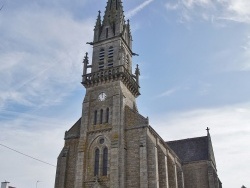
(112, 145)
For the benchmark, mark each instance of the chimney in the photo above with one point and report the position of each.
(4, 184)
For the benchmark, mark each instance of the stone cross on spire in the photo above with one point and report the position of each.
(207, 129)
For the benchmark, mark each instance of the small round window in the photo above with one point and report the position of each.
(101, 141)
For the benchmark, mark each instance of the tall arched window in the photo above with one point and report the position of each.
(105, 162)
(107, 115)
(101, 116)
(95, 117)
(97, 154)
(101, 54)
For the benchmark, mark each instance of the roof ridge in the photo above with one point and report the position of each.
(187, 139)
(78, 121)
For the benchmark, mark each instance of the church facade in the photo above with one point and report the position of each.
(112, 145)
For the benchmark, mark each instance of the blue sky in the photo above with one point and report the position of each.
(194, 61)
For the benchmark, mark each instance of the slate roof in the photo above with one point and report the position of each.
(74, 131)
(192, 149)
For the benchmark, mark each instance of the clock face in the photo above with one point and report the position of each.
(102, 96)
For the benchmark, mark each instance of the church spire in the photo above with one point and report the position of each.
(113, 25)
(113, 21)
(114, 12)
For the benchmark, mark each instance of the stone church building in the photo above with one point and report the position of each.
(112, 145)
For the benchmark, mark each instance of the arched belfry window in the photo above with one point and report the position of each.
(101, 59)
(101, 54)
(111, 52)
(95, 117)
(96, 166)
(101, 116)
(107, 115)
(105, 162)
(110, 56)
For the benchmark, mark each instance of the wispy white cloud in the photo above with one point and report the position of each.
(221, 13)
(44, 144)
(246, 56)
(231, 10)
(168, 92)
(192, 3)
(172, 6)
(239, 61)
(189, 4)
(40, 64)
(40, 58)
(187, 7)
(241, 9)
(137, 9)
(38, 136)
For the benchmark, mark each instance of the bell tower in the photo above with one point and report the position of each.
(112, 44)
(110, 88)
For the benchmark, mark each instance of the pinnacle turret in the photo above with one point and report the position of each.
(137, 74)
(98, 21)
(98, 27)
(85, 66)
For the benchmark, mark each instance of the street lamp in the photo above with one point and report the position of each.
(37, 182)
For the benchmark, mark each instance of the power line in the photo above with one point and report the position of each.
(27, 155)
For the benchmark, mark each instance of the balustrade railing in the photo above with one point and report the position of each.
(113, 72)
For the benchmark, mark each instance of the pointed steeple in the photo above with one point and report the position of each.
(114, 11)
(113, 21)
(113, 24)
